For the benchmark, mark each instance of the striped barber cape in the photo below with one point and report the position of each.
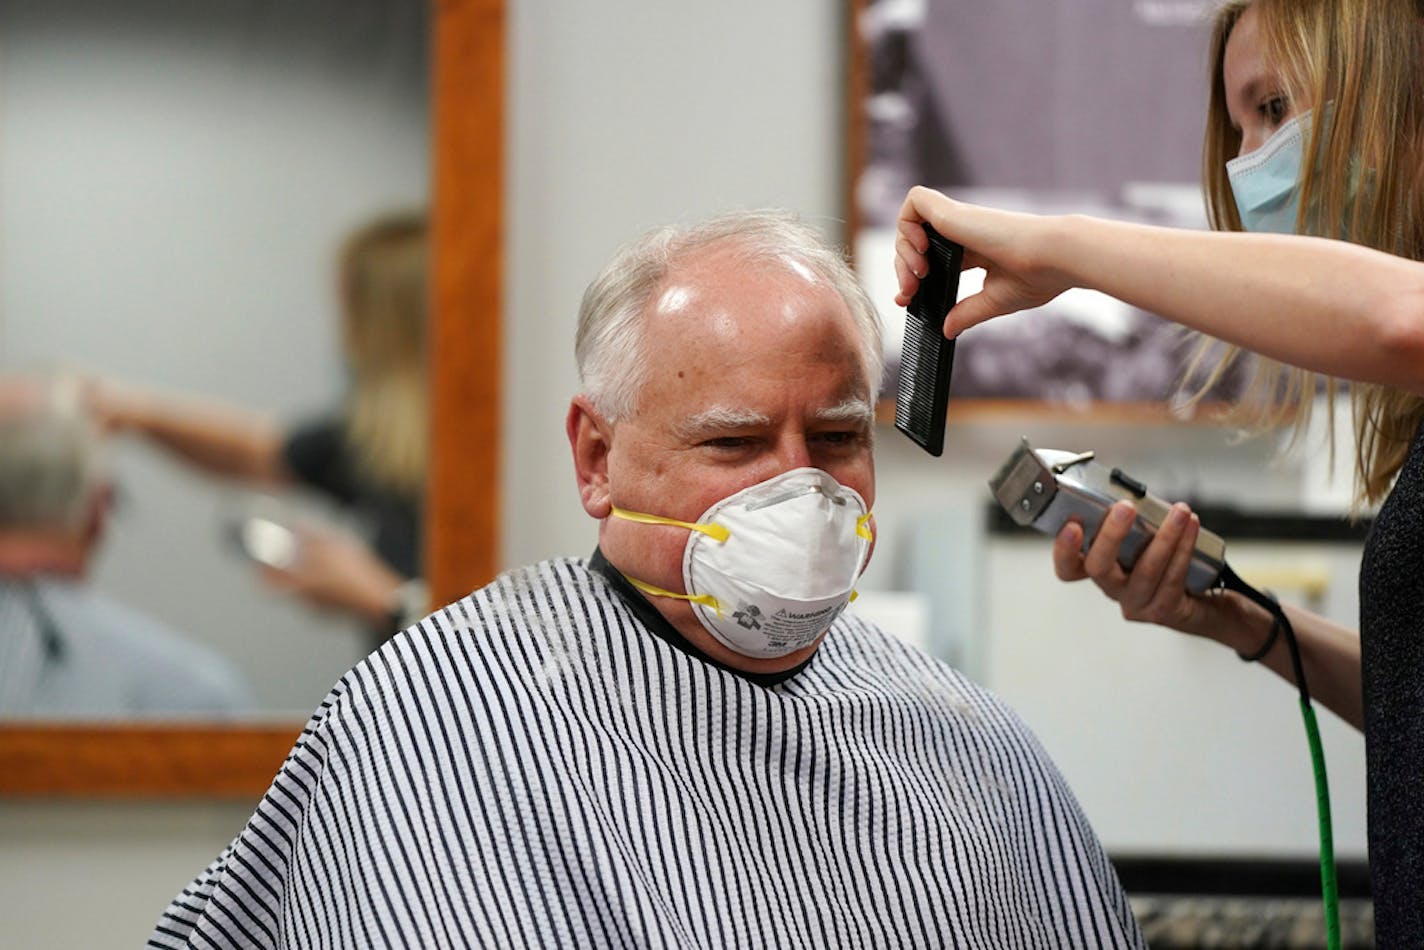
(531, 767)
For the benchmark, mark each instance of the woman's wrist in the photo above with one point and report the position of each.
(1237, 623)
(1263, 647)
(123, 409)
(1085, 248)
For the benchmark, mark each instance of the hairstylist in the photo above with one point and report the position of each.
(368, 454)
(1314, 127)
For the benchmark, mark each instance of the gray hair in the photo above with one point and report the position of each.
(608, 347)
(50, 466)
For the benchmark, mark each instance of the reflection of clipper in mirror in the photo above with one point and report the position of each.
(1044, 489)
(267, 542)
(260, 529)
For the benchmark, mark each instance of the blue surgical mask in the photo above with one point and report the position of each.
(1266, 182)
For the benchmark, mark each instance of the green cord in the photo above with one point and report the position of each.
(1329, 889)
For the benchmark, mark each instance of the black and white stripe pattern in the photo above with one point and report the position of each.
(530, 767)
(24, 664)
(67, 651)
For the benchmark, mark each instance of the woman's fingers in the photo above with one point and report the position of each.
(1173, 603)
(972, 311)
(1068, 553)
(912, 233)
(1155, 589)
(908, 280)
(923, 204)
(1149, 583)
(999, 242)
(1101, 560)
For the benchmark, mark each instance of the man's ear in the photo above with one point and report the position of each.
(591, 439)
(96, 517)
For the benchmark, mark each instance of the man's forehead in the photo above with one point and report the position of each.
(677, 298)
(705, 276)
(745, 312)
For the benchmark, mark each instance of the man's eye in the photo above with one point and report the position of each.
(839, 438)
(728, 442)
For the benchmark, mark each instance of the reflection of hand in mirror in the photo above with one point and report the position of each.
(337, 571)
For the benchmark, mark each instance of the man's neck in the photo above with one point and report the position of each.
(25, 553)
(760, 671)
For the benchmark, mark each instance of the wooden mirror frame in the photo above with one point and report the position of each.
(199, 760)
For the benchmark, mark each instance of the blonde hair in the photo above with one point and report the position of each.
(1360, 181)
(383, 274)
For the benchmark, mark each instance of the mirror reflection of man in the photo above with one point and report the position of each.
(66, 650)
(684, 740)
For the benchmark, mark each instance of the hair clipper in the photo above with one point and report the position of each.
(1044, 489)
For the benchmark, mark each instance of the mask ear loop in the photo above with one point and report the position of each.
(714, 530)
(706, 600)
(862, 529)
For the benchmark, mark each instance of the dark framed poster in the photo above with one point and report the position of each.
(1052, 106)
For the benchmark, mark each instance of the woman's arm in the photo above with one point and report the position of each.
(221, 440)
(1330, 656)
(1327, 306)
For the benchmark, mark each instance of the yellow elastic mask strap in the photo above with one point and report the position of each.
(714, 530)
(706, 600)
(862, 528)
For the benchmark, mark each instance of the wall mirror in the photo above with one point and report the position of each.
(175, 181)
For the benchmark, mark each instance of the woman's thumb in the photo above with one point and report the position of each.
(969, 312)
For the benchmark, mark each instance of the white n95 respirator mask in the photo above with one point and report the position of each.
(769, 568)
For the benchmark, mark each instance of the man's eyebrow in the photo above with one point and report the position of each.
(851, 410)
(720, 418)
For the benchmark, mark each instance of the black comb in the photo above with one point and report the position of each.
(927, 357)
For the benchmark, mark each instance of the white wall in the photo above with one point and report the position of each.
(98, 874)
